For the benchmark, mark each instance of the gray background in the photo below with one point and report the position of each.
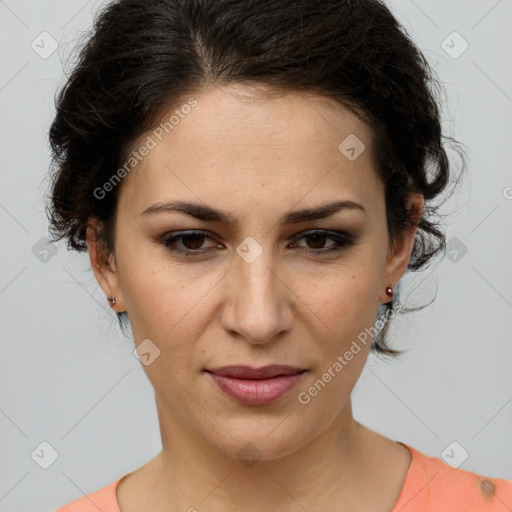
(69, 378)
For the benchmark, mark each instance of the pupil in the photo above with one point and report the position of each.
(318, 236)
(196, 237)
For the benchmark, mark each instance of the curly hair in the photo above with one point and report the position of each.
(144, 56)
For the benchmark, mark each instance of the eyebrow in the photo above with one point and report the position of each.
(207, 213)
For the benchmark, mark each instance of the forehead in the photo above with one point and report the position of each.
(239, 137)
(263, 120)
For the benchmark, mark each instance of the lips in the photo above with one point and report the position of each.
(248, 372)
(256, 386)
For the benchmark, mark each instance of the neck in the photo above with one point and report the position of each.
(197, 475)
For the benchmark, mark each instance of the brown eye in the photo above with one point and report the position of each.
(193, 241)
(316, 240)
(188, 243)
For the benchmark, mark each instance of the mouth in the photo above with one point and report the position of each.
(256, 386)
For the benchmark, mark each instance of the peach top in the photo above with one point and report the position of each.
(430, 485)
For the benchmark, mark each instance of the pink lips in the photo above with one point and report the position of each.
(256, 386)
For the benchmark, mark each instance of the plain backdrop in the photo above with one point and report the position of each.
(69, 379)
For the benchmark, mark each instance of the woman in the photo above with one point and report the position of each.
(251, 180)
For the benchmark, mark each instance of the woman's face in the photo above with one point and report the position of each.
(268, 288)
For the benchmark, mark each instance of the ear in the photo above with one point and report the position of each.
(103, 264)
(401, 248)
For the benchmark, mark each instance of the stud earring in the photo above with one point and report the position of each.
(112, 301)
(389, 291)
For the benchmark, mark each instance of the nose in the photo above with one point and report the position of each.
(258, 305)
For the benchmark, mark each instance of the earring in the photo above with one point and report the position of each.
(389, 291)
(112, 301)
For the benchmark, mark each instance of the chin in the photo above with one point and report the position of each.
(261, 442)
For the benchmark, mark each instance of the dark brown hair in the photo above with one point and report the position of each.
(144, 55)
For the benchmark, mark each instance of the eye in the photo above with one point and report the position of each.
(319, 237)
(191, 243)
(188, 243)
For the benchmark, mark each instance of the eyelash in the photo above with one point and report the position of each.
(342, 239)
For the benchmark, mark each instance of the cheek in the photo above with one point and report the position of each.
(167, 303)
(342, 311)
(160, 302)
(156, 290)
(344, 297)
(341, 308)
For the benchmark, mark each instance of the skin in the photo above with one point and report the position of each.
(257, 157)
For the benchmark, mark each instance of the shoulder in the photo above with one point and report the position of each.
(103, 499)
(433, 485)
